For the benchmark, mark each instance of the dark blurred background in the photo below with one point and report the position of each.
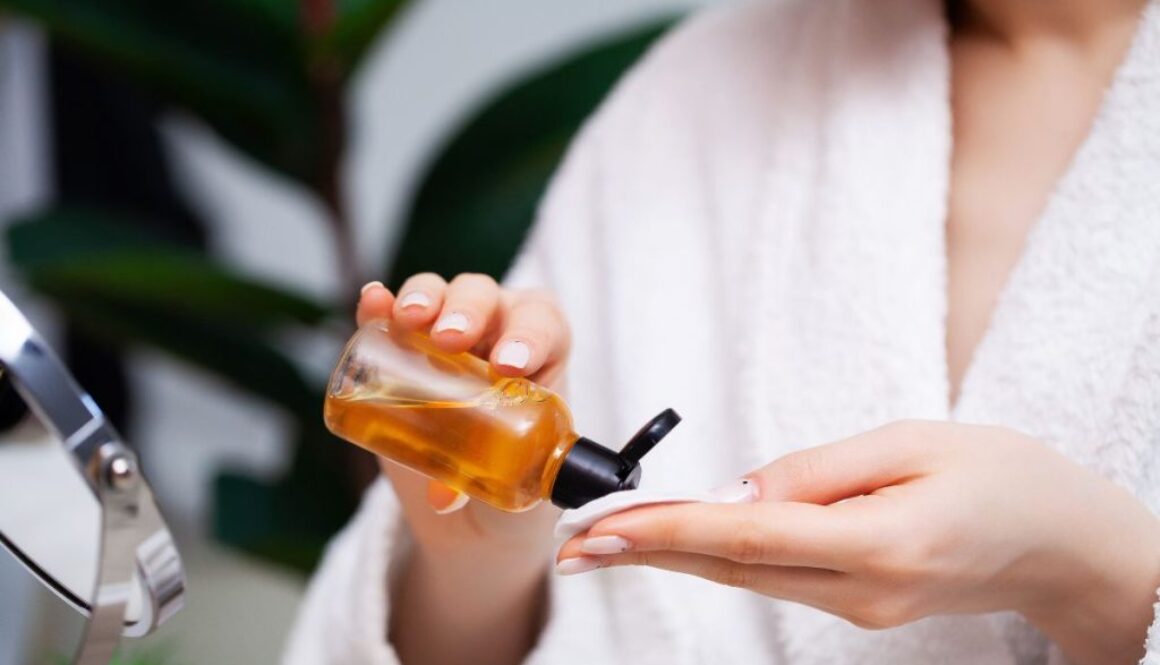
(191, 193)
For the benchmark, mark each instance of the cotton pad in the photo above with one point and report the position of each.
(581, 519)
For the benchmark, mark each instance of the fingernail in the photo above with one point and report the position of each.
(514, 354)
(456, 321)
(458, 502)
(738, 491)
(577, 565)
(371, 285)
(415, 299)
(605, 545)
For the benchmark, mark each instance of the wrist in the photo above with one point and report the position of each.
(494, 611)
(490, 565)
(1099, 605)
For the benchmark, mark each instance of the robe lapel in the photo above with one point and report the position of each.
(1067, 330)
(849, 255)
(855, 325)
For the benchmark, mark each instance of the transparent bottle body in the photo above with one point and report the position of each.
(449, 416)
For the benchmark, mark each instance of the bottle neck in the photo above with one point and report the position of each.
(589, 471)
(586, 470)
(555, 461)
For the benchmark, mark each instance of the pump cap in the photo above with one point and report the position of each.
(590, 471)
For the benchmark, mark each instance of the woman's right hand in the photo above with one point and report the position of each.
(521, 333)
(469, 559)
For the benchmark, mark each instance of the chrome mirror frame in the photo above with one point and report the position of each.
(136, 547)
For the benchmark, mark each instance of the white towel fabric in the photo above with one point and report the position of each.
(751, 231)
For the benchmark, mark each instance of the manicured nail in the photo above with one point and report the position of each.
(514, 354)
(458, 502)
(738, 491)
(605, 545)
(371, 285)
(577, 565)
(415, 299)
(456, 321)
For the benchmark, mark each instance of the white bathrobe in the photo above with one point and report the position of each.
(751, 231)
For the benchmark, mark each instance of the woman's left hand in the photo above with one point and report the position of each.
(916, 519)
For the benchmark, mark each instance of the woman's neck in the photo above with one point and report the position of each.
(1082, 22)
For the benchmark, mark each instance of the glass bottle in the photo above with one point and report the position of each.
(505, 441)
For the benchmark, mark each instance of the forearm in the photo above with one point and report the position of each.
(1110, 636)
(1104, 619)
(485, 608)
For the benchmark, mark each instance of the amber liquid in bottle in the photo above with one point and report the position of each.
(502, 446)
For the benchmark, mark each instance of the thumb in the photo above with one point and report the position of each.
(443, 498)
(851, 467)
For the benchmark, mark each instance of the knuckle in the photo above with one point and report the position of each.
(642, 559)
(898, 557)
(474, 280)
(748, 544)
(540, 316)
(666, 535)
(880, 558)
(423, 279)
(536, 305)
(735, 575)
(803, 466)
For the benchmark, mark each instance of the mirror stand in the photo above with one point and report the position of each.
(139, 581)
(127, 527)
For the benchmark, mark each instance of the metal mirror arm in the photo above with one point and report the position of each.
(135, 544)
(118, 486)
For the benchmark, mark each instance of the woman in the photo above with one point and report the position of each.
(812, 221)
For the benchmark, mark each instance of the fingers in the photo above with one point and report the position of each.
(862, 464)
(443, 498)
(535, 337)
(820, 588)
(782, 534)
(420, 301)
(522, 333)
(470, 304)
(375, 302)
(861, 602)
(414, 489)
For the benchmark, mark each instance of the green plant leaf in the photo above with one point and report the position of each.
(157, 655)
(358, 24)
(243, 359)
(477, 198)
(248, 68)
(122, 284)
(73, 254)
(237, 64)
(289, 520)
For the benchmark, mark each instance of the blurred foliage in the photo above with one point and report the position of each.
(160, 655)
(479, 194)
(260, 72)
(271, 77)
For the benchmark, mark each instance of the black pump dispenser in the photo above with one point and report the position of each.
(590, 471)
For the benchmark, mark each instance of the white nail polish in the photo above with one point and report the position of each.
(738, 491)
(459, 502)
(415, 299)
(514, 354)
(456, 321)
(605, 545)
(370, 285)
(576, 565)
